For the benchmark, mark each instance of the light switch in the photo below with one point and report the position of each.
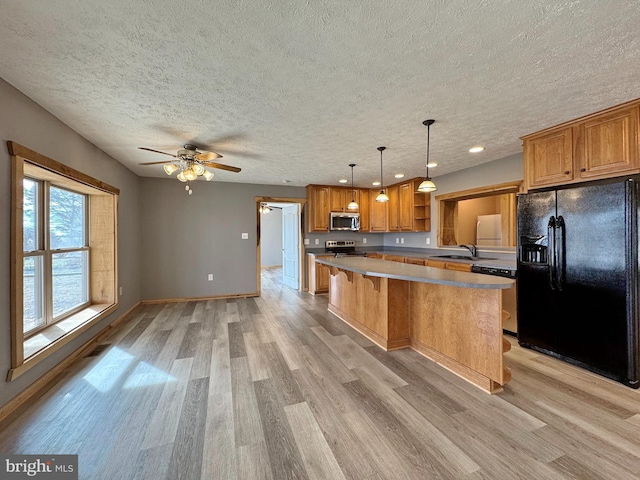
(245, 236)
(306, 241)
(397, 240)
(364, 240)
(401, 240)
(317, 241)
(428, 240)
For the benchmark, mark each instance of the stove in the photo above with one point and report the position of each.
(343, 248)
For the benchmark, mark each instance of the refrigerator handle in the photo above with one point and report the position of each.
(551, 249)
(559, 245)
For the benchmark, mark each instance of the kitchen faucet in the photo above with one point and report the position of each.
(472, 248)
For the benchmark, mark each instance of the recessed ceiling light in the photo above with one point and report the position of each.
(476, 149)
(432, 164)
(399, 175)
(343, 180)
(375, 184)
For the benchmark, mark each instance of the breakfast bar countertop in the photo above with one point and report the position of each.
(374, 267)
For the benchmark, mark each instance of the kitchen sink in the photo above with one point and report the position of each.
(461, 257)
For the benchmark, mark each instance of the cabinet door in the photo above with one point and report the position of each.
(337, 202)
(378, 217)
(365, 224)
(548, 158)
(608, 144)
(318, 209)
(322, 278)
(394, 258)
(461, 267)
(374, 255)
(406, 207)
(435, 263)
(415, 261)
(394, 208)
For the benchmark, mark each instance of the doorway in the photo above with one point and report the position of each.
(280, 250)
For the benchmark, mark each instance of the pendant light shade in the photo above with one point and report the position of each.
(352, 205)
(382, 197)
(427, 185)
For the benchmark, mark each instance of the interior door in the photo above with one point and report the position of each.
(291, 246)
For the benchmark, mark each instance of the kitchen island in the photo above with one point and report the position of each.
(454, 318)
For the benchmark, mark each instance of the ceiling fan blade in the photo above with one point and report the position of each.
(221, 166)
(156, 163)
(206, 156)
(157, 151)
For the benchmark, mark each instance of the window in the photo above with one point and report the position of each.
(63, 268)
(56, 254)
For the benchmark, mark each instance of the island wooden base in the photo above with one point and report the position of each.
(456, 327)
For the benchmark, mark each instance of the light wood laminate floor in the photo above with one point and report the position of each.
(276, 387)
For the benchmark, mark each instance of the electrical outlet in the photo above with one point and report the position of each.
(428, 240)
(364, 240)
(121, 291)
(401, 240)
(210, 277)
(306, 241)
(245, 236)
(397, 240)
(317, 241)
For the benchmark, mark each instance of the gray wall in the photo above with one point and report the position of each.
(28, 124)
(271, 238)
(508, 169)
(186, 237)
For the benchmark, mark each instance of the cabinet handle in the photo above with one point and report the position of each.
(583, 169)
(567, 172)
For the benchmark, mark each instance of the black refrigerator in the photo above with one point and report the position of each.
(578, 276)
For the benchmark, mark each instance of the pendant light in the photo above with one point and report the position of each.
(427, 185)
(382, 197)
(352, 205)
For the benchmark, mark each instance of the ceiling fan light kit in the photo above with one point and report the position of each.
(191, 164)
(427, 185)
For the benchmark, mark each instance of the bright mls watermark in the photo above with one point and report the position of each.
(52, 467)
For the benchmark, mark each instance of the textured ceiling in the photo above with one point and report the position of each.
(296, 91)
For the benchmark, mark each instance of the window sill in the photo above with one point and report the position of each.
(52, 338)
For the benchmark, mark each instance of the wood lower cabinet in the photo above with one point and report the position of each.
(600, 145)
(317, 274)
(415, 261)
(459, 266)
(394, 258)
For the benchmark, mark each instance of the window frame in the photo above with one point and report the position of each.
(47, 253)
(101, 241)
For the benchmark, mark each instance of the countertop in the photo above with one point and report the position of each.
(506, 263)
(375, 267)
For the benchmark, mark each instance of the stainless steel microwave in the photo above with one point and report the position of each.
(344, 221)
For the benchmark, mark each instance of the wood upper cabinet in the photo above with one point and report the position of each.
(608, 145)
(365, 211)
(405, 210)
(394, 208)
(549, 158)
(601, 145)
(378, 213)
(319, 208)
